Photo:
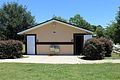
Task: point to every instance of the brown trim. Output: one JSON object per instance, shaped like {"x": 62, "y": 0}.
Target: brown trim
{"x": 26, "y": 42}
{"x": 79, "y": 34}
{"x": 74, "y": 48}
{"x": 60, "y": 43}
{"x": 35, "y": 45}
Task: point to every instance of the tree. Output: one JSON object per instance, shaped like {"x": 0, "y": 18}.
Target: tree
{"x": 117, "y": 28}
{"x": 113, "y": 30}
{"x": 100, "y": 32}
{"x": 59, "y": 18}
{"x": 109, "y": 31}
{"x": 93, "y": 28}
{"x": 80, "y": 22}
{"x": 13, "y": 19}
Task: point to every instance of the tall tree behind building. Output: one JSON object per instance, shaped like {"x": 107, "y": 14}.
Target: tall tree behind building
{"x": 13, "y": 19}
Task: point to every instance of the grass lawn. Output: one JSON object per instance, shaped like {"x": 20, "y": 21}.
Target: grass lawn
{"x": 19, "y": 71}
{"x": 114, "y": 56}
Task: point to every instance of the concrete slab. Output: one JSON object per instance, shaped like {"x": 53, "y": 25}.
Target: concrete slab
{"x": 45, "y": 59}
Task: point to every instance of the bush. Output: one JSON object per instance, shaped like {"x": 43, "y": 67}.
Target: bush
{"x": 11, "y": 49}
{"x": 94, "y": 49}
{"x": 108, "y": 44}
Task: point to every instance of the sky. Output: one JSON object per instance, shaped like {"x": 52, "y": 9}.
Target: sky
{"x": 96, "y": 12}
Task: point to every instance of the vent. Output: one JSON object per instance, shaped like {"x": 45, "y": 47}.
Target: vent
{"x": 54, "y": 49}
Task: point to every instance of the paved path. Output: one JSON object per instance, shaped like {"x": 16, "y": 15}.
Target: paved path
{"x": 57, "y": 60}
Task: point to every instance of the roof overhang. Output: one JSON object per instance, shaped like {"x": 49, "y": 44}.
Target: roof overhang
{"x": 50, "y": 21}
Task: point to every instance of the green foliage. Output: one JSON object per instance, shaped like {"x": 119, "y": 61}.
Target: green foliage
{"x": 11, "y": 49}
{"x": 94, "y": 49}
{"x": 59, "y": 18}
{"x": 110, "y": 31}
{"x": 118, "y": 16}
{"x": 100, "y": 31}
{"x": 117, "y": 34}
{"x": 113, "y": 31}
{"x": 80, "y": 22}
{"x": 13, "y": 19}
{"x": 108, "y": 44}
{"x": 93, "y": 28}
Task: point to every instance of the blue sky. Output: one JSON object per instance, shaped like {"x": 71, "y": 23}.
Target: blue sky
{"x": 97, "y": 12}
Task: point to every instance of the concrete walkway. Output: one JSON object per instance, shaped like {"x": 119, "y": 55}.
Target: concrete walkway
{"x": 57, "y": 60}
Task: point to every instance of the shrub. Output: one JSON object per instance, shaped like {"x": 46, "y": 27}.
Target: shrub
{"x": 10, "y": 49}
{"x": 108, "y": 44}
{"x": 93, "y": 49}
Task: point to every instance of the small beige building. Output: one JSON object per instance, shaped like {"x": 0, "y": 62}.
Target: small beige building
{"x": 55, "y": 37}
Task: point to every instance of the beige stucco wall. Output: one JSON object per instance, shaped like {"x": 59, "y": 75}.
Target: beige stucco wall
{"x": 62, "y": 33}
{"x": 46, "y": 33}
{"x": 64, "y": 49}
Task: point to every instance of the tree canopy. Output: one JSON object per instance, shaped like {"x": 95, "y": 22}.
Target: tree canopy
{"x": 117, "y": 28}
{"x": 59, "y": 18}
{"x": 13, "y": 19}
{"x": 100, "y": 31}
{"x": 80, "y": 22}
{"x": 113, "y": 30}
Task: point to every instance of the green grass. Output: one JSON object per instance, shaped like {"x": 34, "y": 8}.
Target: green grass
{"x": 19, "y": 71}
{"x": 114, "y": 56}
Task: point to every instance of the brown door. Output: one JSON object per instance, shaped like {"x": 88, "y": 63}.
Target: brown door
{"x": 78, "y": 43}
